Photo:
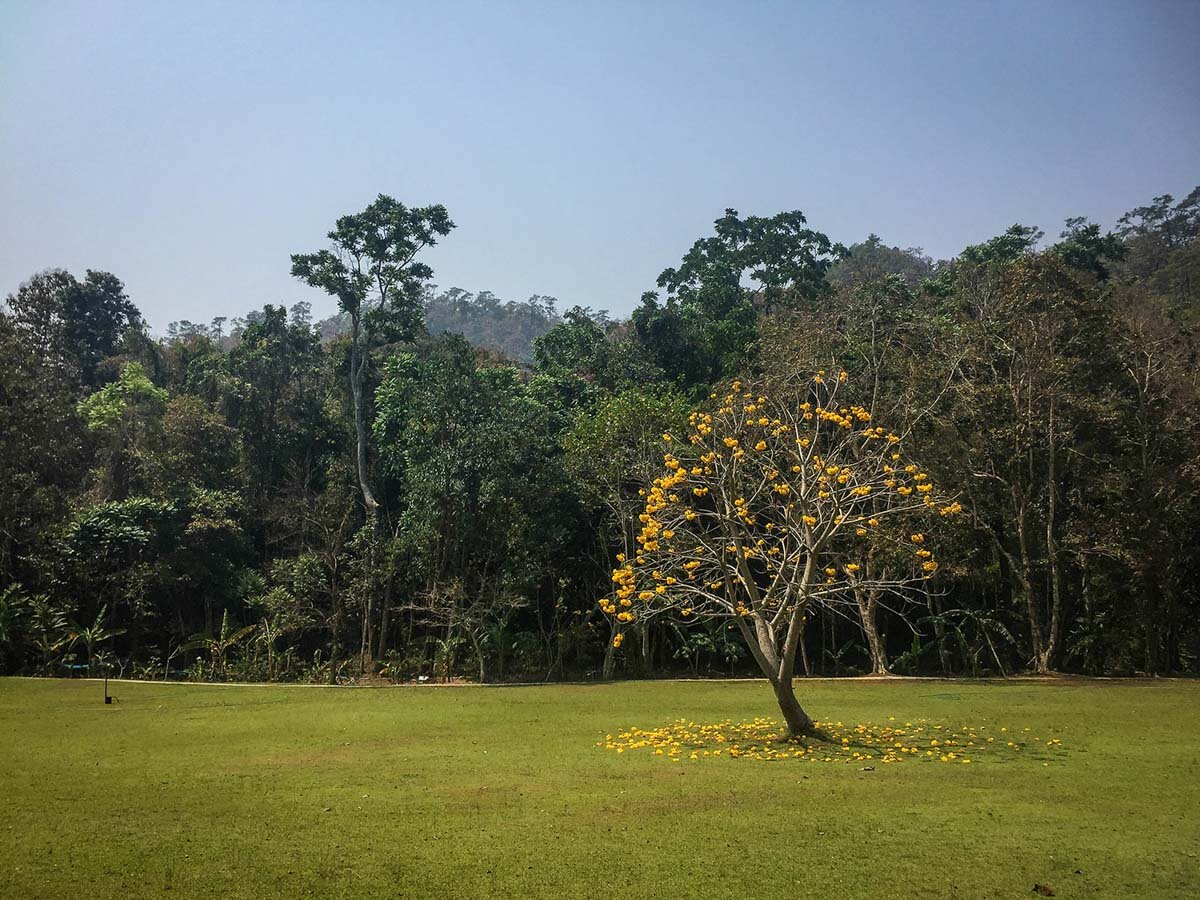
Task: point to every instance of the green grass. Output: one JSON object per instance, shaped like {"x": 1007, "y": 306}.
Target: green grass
{"x": 294, "y": 791}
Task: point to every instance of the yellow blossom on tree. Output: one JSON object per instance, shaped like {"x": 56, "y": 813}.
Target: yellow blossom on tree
{"x": 762, "y": 538}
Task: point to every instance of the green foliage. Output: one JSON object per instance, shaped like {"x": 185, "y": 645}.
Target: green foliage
{"x": 118, "y": 532}
{"x": 373, "y": 272}
{"x": 372, "y": 269}
{"x": 14, "y": 606}
{"x": 94, "y": 635}
{"x": 785, "y": 259}
{"x": 370, "y": 489}
{"x": 614, "y": 449}
{"x": 220, "y": 644}
{"x": 1083, "y": 247}
{"x": 474, "y": 450}
{"x": 1018, "y": 241}
{"x": 81, "y": 321}
{"x": 707, "y": 324}
{"x": 132, "y": 393}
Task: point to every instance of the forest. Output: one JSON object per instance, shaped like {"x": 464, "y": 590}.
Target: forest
{"x": 436, "y": 485}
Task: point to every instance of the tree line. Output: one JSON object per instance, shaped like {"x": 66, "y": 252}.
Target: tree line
{"x": 378, "y": 496}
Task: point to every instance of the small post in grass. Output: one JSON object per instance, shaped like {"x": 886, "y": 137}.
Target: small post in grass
{"x": 107, "y": 698}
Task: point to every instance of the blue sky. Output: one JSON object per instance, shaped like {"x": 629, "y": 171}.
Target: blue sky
{"x": 191, "y": 147}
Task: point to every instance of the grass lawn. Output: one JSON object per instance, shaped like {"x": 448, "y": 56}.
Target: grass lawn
{"x": 466, "y": 791}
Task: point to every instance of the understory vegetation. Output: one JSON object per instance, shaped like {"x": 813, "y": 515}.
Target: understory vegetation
{"x": 378, "y": 496}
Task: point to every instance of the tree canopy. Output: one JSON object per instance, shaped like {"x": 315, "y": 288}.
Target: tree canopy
{"x": 440, "y": 483}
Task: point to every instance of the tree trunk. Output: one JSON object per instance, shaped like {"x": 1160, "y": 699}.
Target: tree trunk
{"x": 477, "y": 646}
{"x": 610, "y": 661}
{"x": 385, "y": 618}
{"x": 1037, "y": 634}
{"x": 779, "y": 666}
{"x": 804, "y": 649}
{"x": 1052, "y": 554}
{"x": 798, "y": 721}
{"x": 939, "y": 632}
{"x": 358, "y": 378}
{"x": 647, "y": 651}
{"x": 868, "y": 610}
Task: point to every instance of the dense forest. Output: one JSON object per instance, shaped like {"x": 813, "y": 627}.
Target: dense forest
{"x": 436, "y": 485}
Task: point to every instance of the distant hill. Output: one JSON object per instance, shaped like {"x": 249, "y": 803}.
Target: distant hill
{"x": 506, "y": 326}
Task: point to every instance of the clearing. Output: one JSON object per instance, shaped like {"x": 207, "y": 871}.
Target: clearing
{"x": 470, "y": 791}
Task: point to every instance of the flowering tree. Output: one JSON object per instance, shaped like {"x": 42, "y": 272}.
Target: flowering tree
{"x": 772, "y": 506}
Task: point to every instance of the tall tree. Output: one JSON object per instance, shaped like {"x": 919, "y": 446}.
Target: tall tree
{"x": 709, "y": 309}
{"x": 372, "y": 270}
{"x": 83, "y": 320}
{"x": 43, "y": 454}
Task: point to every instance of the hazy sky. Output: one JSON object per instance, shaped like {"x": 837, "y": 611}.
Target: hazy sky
{"x": 190, "y": 147}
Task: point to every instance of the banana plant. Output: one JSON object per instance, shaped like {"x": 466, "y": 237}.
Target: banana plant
{"x": 94, "y": 635}
{"x": 273, "y": 628}
{"x": 49, "y": 632}
{"x": 218, "y": 646}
